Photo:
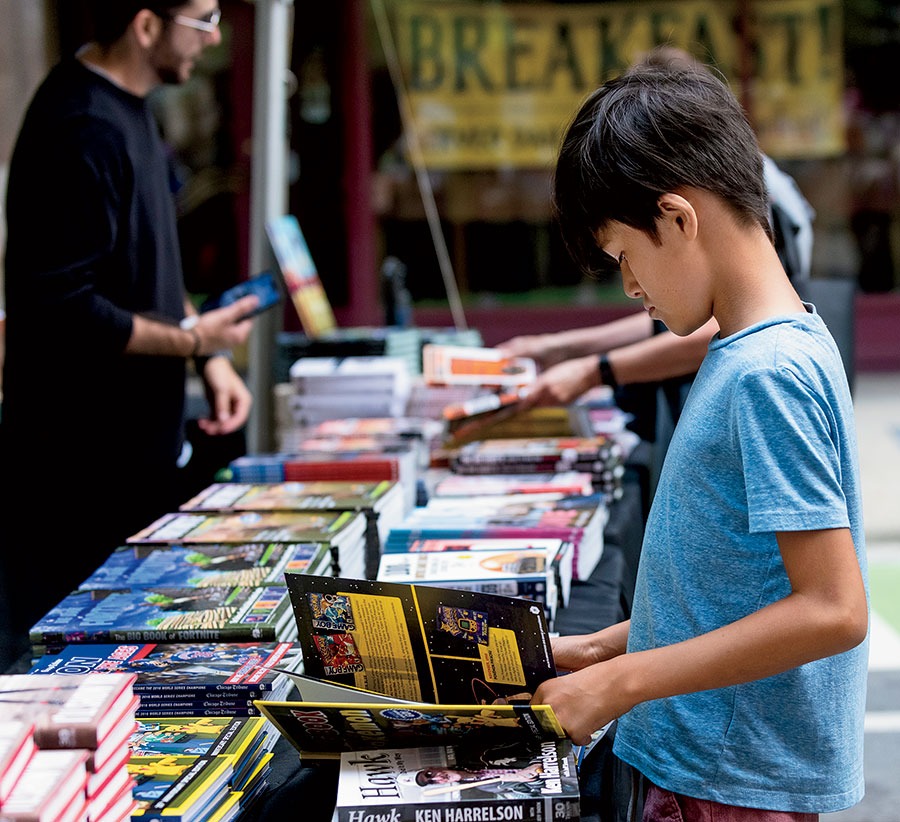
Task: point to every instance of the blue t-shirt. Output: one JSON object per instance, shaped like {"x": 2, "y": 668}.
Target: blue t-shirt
{"x": 766, "y": 443}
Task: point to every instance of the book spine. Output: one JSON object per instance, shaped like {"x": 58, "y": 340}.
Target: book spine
{"x": 232, "y": 633}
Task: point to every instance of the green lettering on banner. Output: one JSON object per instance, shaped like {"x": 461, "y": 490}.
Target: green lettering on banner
{"x": 495, "y": 84}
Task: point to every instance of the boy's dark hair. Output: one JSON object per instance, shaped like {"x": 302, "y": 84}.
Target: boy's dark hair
{"x": 110, "y": 18}
{"x": 650, "y": 131}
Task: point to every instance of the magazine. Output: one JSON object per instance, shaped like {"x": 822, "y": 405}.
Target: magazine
{"x": 421, "y": 643}
{"x": 457, "y": 783}
{"x": 323, "y": 730}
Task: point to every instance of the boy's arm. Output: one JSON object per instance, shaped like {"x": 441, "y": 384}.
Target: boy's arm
{"x": 825, "y": 614}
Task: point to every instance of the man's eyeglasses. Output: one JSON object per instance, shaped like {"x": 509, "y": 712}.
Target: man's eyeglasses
{"x": 206, "y": 24}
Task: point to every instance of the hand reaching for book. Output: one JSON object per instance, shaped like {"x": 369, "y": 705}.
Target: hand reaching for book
{"x": 562, "y": 384}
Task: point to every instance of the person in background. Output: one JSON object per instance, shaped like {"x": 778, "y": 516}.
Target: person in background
{"x": 634, "y": 354}
{"x": 99, "y": 325}
{"x": 739, "y": 681}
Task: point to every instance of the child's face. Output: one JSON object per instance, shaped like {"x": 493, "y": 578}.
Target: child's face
{"x": 665, "y": 276}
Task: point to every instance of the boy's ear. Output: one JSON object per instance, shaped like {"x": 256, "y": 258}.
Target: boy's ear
{"x": 678, "y": 212}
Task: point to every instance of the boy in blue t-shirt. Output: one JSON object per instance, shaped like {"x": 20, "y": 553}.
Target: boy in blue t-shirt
{"x": 739, "y": 682}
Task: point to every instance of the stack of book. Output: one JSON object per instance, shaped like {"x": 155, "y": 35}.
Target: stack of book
{"x": 537, "y": 569}
{"x": 202, "y": 679}
{"x": 382, "y": 503}
{"x": 600, "y": 456}
{"x": 475, "y": 365}
{"x": 578, "y": 520}
{"x": 330, "y": 387}
{"x": 492, "y": 485}
{"x": 421, "y": 432}
{"x": 360, "y": 341}
{"x": 394, "y": 462}
{"x": 193, "y": 767}
{"x": 429, "y": 688}
{"x": 74, "y": 767}
{"x": 344, "y": 532}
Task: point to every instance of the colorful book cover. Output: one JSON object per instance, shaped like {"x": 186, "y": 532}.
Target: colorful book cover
{"x": 197, "y": 736}
{"x": 474, "y": 365}
{"x": 289, "y": 496}
{"x": 179, "y": 787}
{"x": 490, "y": 485}
{"x": 449, "y": 783}
{"x": 185, "y": 670}
{"x": 300, "y": 275}
{"x": 421, "y": 643}
{"x": 168, "y": 615}
{"x": 323, "y": 730}
{"x": 247, "y": 526}
{"x": 517, "y": 572}
{"x": 207, "y": 566}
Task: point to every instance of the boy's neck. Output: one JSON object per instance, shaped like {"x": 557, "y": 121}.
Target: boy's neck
{"x": 754, "y": 288}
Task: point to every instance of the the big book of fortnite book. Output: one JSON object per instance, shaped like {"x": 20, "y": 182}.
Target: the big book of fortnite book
{"x": 417, "y": 643}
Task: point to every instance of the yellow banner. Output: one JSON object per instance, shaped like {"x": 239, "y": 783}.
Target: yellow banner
{"x": 493, "y": 85}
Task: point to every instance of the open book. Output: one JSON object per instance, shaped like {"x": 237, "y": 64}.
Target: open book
{"x": 464, "y": 658}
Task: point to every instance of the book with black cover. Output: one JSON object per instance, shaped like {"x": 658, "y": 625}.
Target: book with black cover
{"x": 323, "y": 730}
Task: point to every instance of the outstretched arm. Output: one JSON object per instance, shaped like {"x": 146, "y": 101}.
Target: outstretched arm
{"x": 651, "y": 359}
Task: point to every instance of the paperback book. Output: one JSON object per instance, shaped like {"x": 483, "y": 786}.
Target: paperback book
{"x": 248, "y": 740}
{"x": 180, "y": 787}
{"x": 515, "y": 572}
{"x": 492, "y": 485}
{"x": 420, "y": 643}
{"x": 324, "y": 730}
{"x": 381, "y": 502}
{"x": 456, "y": 783}
{"x": 246, "y": 565}
{"x": 180, "y": 672}
{"x": 475, "y": 365}
{"x": 300, "y": 275}
{"x": 576, "y": 519}
{"x": 162, "y": 614}
{"x": 344, "y": 531}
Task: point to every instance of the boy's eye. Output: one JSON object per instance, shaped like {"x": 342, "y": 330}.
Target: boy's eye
{"x": 620, "y": 259}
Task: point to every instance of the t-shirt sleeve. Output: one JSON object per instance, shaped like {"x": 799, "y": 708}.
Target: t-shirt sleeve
{"x": 790, "y": 454}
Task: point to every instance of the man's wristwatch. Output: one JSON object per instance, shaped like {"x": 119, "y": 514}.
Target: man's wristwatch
{"x": 606, "y": 373}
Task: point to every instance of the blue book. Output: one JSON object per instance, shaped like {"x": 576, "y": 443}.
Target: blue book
{"x": 165, "y": 614}
{"x": 202, "y": 566}
{"x": 185, "y": 671}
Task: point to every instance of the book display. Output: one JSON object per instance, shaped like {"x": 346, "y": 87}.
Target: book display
{"x": 367, "y": 598}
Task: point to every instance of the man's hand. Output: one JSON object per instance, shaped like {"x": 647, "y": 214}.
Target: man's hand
{"x": 562, "y": 384}
{"x": 224, "y": 328}
{"x": 229, "y": 398}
